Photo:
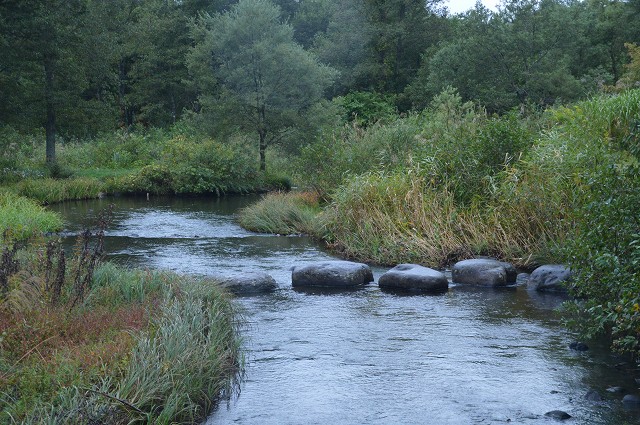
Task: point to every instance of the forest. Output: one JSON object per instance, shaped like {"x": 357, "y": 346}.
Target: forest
{"x": 76, "y": 69}
{"x": 411, "y": 135}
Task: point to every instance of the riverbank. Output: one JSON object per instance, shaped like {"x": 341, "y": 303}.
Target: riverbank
{"x": 86, "y": 341}
{"x": 156, "y": 162}
{"x": 452, "y": 182}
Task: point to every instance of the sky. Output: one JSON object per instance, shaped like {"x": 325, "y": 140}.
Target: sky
{"x": 458, "y": 6}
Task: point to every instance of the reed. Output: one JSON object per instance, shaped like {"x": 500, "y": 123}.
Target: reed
{"x": 21, "y": 218}
{"x": 283, "y": 213}
{"x": 48, "y": 191}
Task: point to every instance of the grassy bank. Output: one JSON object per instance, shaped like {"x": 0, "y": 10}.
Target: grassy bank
{"x": 88, "y": 342}
{"x": 147, "y": 161}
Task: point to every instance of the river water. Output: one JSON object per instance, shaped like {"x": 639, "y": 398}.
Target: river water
{"x": 469, "y": 356}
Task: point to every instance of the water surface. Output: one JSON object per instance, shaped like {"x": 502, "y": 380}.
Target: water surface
{"x": 470, "y": 356}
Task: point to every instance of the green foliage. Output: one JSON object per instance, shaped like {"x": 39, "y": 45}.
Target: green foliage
{"x": 21, "y": 218}
{"x": 606, "y": 253}
{"x": 266, "y": 78}
{"x": 189, "y": 165}
{"x": 364, "y": 108}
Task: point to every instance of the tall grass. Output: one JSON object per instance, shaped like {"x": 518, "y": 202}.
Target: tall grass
{"x": 23, "y": 218}
{"x": 283, "y": 213}
{"x": 494, "y": 187}
{"x": 141, "y": 346}
{"x": 48, "y": 191}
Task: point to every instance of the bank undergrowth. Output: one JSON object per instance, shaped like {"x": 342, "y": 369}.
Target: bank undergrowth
{"x": 151, "y": 161}
{"x": 89, "y": 342}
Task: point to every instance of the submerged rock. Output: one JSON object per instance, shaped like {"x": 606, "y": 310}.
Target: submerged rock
{"x": 336, "y": 274}
{"x": 631, "y": 399}
{"x": 550, "y": 277}
{"x": 248, "y": 283}
{"x": 593, "y": 395}
{"x": 413, "y": 277}
{"x": 578, "y": 346}
{"x": 483, "y": 272}
{"x": 558, "y": 415}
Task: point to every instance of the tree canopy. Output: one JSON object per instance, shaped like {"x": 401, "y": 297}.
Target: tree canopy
{"x": 76, "y": 68}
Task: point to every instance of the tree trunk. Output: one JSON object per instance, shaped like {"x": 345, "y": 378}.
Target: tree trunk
{"x": 263, "y": 147}
{"x": 262, "y": 133}
{"x": 50, "y": 126}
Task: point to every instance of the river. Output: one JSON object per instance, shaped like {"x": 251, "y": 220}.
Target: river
{"x": 469, "y": 356}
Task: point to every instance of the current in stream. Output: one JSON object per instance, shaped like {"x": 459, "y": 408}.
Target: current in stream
{"x": 469, "y": 356}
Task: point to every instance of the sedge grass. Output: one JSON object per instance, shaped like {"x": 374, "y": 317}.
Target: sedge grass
{"x": 22, "y": 218}
{"x": 48, "y": 191}
{"x": 283, "y": 213}
{"x": 146, "y": 347}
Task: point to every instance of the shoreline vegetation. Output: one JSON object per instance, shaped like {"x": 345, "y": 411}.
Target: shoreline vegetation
{"x": 90, "y": 342}
{"x": 453, "y": 182}
{"x": 413, "y": 135}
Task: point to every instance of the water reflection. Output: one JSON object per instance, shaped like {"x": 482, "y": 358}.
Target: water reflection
{"x": 470, "y": 355}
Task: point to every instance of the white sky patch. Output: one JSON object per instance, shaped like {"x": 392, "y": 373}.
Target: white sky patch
{"x": 459, "y": 6}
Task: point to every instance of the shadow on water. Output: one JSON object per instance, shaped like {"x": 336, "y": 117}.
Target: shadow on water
{"x": 466, "y": 356}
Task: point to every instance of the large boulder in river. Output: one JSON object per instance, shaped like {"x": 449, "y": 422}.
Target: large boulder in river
{"x": 333, "y": 274}
{"x": 483, "y": 272}
{"x": 248, "y": 283}
{"x": 412, "y": 277}
{"x": 550, "y": 278}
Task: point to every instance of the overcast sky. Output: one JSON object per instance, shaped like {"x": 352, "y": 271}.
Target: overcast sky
{"x": 457, "y": 6}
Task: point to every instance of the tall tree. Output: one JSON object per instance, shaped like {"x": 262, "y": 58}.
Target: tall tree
{"x": 265, "y": 77}
{"x": 42, "y": 66}
{"x": 346, "y": 44}
{"x": 518, "y": 55}
{"x": 403, "y": 30}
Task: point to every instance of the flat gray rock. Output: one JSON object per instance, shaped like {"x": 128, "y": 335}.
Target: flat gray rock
{"x": 483, "y": 272}
{"x": 332, "y": 274}
{"x": 550, "y": 278}
{"x": 413, "y": 277}
{"x": 249, "y": 283}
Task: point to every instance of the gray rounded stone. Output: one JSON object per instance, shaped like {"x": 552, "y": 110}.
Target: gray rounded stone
{"x": 248, "y": 283}
{"x": 631, "y": 399}
{"x": 558, "y": 415}
{"x": 336, "y": 274}
{"x": 550, "y": 278}
{"x": 483, "y": 272}
{"x": 413, "y": 277}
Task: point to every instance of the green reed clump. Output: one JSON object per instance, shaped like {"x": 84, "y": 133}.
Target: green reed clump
{"x": 48, "y": 191}
{"x": 21, "y": 218}
{"x": 398, "y": 218}
{"x": 283, "y": 213}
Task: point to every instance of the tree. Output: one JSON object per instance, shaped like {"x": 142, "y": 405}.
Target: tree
{"x": 346, "y": 44}
{"x": 41, "y": 67}
{"x": 518, "y": 55}
{"x": 266, "y": 79}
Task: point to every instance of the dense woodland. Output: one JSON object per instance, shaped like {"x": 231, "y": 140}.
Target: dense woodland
{"x": 77, "y": 68}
